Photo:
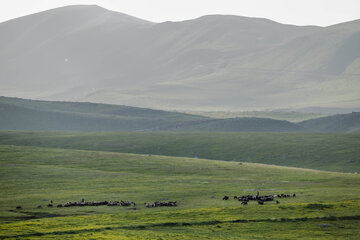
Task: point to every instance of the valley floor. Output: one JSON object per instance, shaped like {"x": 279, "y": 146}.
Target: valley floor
{"x": 326, "y": 205}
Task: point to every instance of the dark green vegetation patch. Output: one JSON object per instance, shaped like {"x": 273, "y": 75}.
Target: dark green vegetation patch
{"x": 27, "y": 114}
{"x": 333, "y": 152}
{"x": 318, "y": 206}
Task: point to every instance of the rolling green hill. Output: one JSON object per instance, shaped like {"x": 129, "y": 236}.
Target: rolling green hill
{"x": 44, "y": 115}
{"x": 239, "y": 125}
{"x": 24, "y": 114}
{"x": 333, "y": 152}
{"x": 290, "y": 116}
{"x": 326, "y": 205}
{"x": 337, "y": 123}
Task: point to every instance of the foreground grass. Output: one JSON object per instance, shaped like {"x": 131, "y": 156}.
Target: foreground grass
{"x": 293, "y": 221}
{"x": 332, "y": 152}
{"x": 326, "y": 206}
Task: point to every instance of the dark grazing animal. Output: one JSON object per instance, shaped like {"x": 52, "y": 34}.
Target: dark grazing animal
{"x": 161, "y": 204}
{"x": 115, "y": 203}
{"x": 127, "y": 203}
{"x": 282, "y": 195}
{"x": 149, "y": 204}
{"x": 225, "y": 198}
{"x": 18, "y": 207}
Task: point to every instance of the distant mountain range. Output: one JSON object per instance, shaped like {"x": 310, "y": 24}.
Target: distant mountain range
{"x": 23, "y": 114}
{"x": 215, "y": 62}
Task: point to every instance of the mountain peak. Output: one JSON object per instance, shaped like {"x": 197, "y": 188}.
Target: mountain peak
{"x": 215, "y": 62}
{"x": 82, "y": 6}
{"x": 76, "y": 12}
{"x": 96, "y": 9}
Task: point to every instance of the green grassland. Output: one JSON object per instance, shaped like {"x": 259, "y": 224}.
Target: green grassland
{"x": 327, "y": 205}
{"x": 332, "y": 152}
{"x": 287, "y": 116}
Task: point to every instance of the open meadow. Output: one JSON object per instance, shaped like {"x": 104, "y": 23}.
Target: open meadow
{"x": 339, "y": 152}
{"x": 326, "y": 206}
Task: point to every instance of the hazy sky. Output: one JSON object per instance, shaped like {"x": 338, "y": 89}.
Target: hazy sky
{"x": 298, "y": 12}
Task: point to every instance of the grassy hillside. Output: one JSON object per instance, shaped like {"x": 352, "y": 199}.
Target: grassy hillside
{"x": 290, "y": 116}
{"x": 334, "y": 152}
{"x": 239, "y": 125}
{"x": 44, "y": 115}
{"x": 24, "y": 114}
{"x": 326, "y": 206}
{"x": 337, "y": 123}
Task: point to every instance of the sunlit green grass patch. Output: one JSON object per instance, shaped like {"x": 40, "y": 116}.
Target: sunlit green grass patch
{"x": 32, "y": 176}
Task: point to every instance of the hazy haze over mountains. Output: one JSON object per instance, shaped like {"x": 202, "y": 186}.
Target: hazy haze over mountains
{"x": 215, "y": 62}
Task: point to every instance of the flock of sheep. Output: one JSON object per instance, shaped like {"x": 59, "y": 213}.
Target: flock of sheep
{"x": 261, "y": 199}
{"x": 82, "y": 203}
{"x": 93, "y": 203}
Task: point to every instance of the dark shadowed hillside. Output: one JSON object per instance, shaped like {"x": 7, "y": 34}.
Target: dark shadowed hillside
{"x": 337, "y": 123}
{"x": 215, "y": 62}
{"x": 25, "y": 114}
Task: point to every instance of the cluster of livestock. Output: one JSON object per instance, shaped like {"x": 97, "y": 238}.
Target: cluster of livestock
{"x": 107, "y": 203}
{"x": 161, "y": 204}
{"x": 94, "y": 203}
{"x": 261, "y": 199}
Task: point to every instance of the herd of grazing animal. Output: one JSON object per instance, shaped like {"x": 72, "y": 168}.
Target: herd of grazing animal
{"x": 93, "y": 203}
{"x": 82, "y": 203}
{"x": 261, "y": 199}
